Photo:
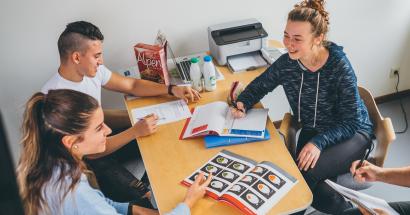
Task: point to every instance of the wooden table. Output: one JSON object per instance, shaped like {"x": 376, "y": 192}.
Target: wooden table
{"x": 169, "y": 160}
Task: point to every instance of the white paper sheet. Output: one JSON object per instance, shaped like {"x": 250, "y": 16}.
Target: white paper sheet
{"x": 167, "y": 112}
{"x": 361, "y": 198}
{"x": 246, "y": 61}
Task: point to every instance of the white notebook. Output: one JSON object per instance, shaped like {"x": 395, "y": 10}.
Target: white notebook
{"x": 366, "y": 201}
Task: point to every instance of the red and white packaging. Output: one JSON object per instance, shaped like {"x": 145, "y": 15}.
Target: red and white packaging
{"x": 152, "y": 62}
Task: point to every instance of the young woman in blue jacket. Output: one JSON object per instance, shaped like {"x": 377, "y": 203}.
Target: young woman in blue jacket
{"x": 321, "y": 87}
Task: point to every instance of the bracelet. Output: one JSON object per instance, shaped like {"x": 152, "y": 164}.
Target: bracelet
{"x": 170, "y": 89}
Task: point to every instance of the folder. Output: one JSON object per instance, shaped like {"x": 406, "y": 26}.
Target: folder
{"x": 212, "y": 141}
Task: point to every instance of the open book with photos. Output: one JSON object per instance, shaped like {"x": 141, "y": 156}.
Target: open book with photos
{"x": 215, "y": 118}
{"x": 252, "y": 187}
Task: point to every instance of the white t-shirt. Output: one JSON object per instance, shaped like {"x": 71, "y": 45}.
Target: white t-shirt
{"x": 90, "y": 86}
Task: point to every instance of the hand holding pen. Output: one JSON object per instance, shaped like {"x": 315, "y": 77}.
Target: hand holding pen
{"x": 145, "y": 126}
{"x": 238, "y": 110}
{"x": 361, "y": 162}
{"x": 364, "y": 171}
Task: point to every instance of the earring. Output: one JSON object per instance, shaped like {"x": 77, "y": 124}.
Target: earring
{"x": 75, "y": 146}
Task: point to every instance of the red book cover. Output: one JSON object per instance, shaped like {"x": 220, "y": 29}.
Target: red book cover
{"x": 152, "y": 62}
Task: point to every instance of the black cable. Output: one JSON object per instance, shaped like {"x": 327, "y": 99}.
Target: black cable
{"x": 401, "y": 105}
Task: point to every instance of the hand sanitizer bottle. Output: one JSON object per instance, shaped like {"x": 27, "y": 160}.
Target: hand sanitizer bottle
{"x": 209, "y": 74}
{"x": 195, "y": 74}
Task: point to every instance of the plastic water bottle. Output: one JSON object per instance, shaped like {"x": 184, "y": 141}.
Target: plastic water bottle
{"x": 195, "y": 74}
{"x": 209, "y": 74}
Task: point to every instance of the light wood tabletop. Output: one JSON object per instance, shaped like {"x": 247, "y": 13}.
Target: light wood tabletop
{"x": 169, "y": 160}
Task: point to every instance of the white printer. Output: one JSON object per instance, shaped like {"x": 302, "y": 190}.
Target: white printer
{"x": 235, "y": 39}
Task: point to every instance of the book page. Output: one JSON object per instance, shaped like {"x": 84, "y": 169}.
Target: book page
{"x": 202, "y": 121}
{"x": 260, "y": 189}
{"x": 252, "y": 125}
{"x": 361, "y": 198}
{"x": 167, "y": 112}
{"x": 227, "y": 168}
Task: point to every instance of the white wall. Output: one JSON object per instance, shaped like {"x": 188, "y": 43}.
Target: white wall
{"x": 375, "y": 35}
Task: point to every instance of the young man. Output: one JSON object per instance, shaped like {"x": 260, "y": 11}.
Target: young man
{"x": 81, "y": 69}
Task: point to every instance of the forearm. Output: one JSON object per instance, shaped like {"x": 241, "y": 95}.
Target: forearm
{"x": 397, "y": 176}
{"x": 258, "y": 88}
{"x": 148, "y": 88}
{"x": 115, "y": 142}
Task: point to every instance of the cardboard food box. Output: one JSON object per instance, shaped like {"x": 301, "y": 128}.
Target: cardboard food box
{"x": 152, "y": 62}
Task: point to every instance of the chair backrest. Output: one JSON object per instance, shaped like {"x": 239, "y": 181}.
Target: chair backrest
{"x": 383, "y": 128}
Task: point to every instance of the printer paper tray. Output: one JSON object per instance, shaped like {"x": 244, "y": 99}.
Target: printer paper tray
{"x": 246, "y": 62}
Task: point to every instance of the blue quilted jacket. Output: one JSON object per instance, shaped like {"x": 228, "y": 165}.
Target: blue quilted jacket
{"x": 326, "y": 100}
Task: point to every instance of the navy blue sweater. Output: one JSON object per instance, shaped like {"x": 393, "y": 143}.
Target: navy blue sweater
{"x": 326, "y": 100}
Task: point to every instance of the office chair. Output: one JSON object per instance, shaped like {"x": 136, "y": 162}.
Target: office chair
{"x": 383, "y": 130}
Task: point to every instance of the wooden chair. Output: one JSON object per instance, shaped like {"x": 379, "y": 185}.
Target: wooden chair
{"x": 383, "y": 130}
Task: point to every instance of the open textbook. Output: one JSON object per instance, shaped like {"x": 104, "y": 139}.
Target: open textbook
{"x": 366, "y": 201}
{"x": 216, "y": 119}
{"x": 253, "y": 188}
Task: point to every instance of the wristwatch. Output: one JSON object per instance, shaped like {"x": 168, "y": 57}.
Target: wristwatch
{"x": 170, "y": 89}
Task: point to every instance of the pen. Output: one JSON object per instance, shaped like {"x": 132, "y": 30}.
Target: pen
{"x": 159, "y": 118}
{"x": 361, "y": 162}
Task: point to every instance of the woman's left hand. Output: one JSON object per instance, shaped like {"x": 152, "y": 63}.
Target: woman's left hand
{"x": 308, "y": 156}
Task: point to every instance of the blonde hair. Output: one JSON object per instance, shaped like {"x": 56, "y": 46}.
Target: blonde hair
{"x": 312, "y": 11}
{"x": 47, "y": 119}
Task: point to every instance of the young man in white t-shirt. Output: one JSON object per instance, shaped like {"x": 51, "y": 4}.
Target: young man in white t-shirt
{"x": 81, "y": 68}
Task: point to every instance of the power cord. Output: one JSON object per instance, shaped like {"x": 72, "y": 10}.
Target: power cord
{"x": 401, "y": 105}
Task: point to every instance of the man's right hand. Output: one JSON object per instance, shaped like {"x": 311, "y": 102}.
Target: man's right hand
{"x": 238, "y": 111}
{"x": 146, "y": 126}
{"x": 367, "y": 172}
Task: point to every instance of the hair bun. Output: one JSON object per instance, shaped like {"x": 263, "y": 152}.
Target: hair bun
{"x": 318, "y": 5}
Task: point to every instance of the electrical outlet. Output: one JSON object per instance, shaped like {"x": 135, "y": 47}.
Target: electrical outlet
{"x": 393, "y": 72}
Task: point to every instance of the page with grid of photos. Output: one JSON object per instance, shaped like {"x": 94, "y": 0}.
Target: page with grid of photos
{"x": 260, "y": 189}
{"x": 243, "y": 183}
{"x": 227, "y": 168}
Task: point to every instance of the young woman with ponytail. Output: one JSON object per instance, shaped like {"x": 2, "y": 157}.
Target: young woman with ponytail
{"x": 59, "y": 130}
{"x": 321, "y": 87}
